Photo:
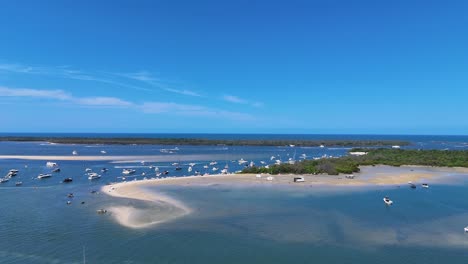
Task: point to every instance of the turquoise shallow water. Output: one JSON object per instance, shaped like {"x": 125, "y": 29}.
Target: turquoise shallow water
{"x": 228, "y": 225}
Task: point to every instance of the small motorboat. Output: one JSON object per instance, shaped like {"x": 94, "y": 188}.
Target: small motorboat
{"x": 67, "y": 180}
{"x": 93, "y": 176}
{"x": 413, "y": 186}
{"x": 166, "y": 172}
{"x": 103, "y": 152}
{"x": 74, "y": 153}
{"x": 44, "y": 176}
{"x": 387, "y": 201}
{"x": 178, "y": 168}
{"x": 56, "y": 170}
{"x": 128, "y": 171}
{"x": 101, "y": 211}
{"x": 50, "y": 164}
{"x": 19, "y": 183}
{"x": 3, "y": 180}
{"x": 104, "y": 170}
{"x": 88, "y": 170}
{"x": 425, "y": 185}
{"x": 466, "y": 229}
{"x": 68, "y": 202}
{"x": 70, "y": 195}
{"x": 269, "y": 178}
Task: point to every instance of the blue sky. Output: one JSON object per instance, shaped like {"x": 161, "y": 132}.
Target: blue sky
{"x": 386, "y": 67}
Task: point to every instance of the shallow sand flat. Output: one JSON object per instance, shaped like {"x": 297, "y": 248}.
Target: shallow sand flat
{"x": 369, "y": 176}
{"x": 163, "y": 209}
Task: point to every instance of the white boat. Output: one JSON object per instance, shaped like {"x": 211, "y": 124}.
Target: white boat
{"x": 191, "y": 164}
{"x": 262, "y": 162}
{"x": 387, "y": 201}
{"x": 74, "y": 152}
{"x": 224, "y": 171}
{"x": 425, "y": 185}
{"x": 103, "y": 152}
{"x": 242, "y": 161}
{"x": 466, "y": 229}
{"x": 93, "y": 176}
{"x": 267, "y": 166}
{"x": 258, "y": 176}
{"x": 299, "y": 179}
{"x": 395, "y": 147}
{"x": 213, "y": 163}
{"x": 277, "y": 162}
{"x": 272, "y": 157}
{"x": 292, "y": 146}
{"x": 19, "y": 183}
{"x": 14, "y": 171}
{"x": 215, "y": 169}
{"x": 3, "y": 180}
{"x": 50, "y": 164}
{"x": 189, "y": 169}
{"x": 205, "y": 167}
{"x": 156, "y": 169}
{"x": 43, "y": 176}
{"x": 269, "y": 178}
{"x": 128, "y": 171}
{"x": 158, "y": 174}
{"x": 251, "y": 164}
{"x": 175, "y": 164}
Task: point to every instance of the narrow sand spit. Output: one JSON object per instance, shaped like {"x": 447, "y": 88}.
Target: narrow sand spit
{"x": 162, "y": 208}
{"x": 126, "y": 159}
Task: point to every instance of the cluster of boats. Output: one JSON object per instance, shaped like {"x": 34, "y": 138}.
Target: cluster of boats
{"x": 11, "y": 173}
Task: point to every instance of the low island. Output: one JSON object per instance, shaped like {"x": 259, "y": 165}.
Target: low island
{"x": 204, "y": 141}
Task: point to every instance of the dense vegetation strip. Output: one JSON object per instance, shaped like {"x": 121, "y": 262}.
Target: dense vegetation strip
{"x": 201, "y": 141}
{"x": 381, "y": 156}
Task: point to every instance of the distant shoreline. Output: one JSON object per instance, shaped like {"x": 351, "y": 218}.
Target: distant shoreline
{"x": 204, "y": 141}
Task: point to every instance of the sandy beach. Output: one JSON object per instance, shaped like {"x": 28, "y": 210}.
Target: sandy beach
{"x": 124, "y": 159}
{"x": 369, "y": 176}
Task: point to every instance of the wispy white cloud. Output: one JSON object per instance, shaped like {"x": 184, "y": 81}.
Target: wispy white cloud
{"x": 103, "y": 101}
{"x": 114, "y": 102}
{"x": 234, "y": 99}
{"x": 22, "y": 92}
{"x": 149, "y": 79}
{"x": 63, "y": 96}
{"x": 194, "y": 110}
{"x": 238, "y": 100}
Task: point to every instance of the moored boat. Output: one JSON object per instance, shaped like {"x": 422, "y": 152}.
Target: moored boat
{"x": 44, "y": 176}
{"x": 128, "y": 171}
{"x": 387, "y": 201}
{"x": 93, "y": 176}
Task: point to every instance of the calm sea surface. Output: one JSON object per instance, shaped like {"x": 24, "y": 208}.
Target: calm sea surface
{"x": 228, "y": 225}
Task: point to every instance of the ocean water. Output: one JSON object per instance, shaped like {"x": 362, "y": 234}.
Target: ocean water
{"x": 228, "y": 224}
